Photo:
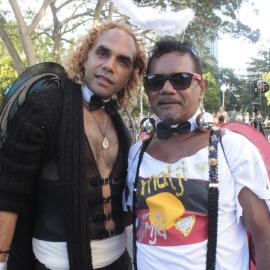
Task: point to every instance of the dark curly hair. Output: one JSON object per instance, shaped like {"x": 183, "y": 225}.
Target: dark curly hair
{"x": 167, "y": 45}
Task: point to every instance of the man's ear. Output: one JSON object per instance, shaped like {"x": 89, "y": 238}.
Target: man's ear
{"x": 147, "y": 93}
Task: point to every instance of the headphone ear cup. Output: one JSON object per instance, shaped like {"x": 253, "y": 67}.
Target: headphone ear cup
{"x": 148, "y": 125}
{"x": 205, "y": 121}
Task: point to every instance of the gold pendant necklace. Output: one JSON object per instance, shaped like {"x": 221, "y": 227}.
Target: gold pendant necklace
{"x": 105, "y": 142}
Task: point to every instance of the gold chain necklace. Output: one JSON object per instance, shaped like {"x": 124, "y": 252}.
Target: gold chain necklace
{"x": 105, "y": 142}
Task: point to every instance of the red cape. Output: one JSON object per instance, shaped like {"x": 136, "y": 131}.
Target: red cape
{"x": 257, "y": 138}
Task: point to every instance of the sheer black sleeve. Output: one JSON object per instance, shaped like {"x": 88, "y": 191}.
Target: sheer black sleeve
{"x": 22, "y": 153}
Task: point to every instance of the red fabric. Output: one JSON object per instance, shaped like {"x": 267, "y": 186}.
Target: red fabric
{"x": 197, "y": 231}
{"x": 257, "y": 138}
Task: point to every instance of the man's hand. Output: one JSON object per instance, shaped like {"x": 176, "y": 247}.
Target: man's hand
{"x": 257, "y": 221}
{"x": 7, "y": 226}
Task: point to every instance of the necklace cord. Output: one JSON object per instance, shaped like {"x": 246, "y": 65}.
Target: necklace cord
{"x": 105, "y": 132}
{"x": 135, "y": 199}
{"x": 105, "y": 142}
{"x": 213, "y": 200}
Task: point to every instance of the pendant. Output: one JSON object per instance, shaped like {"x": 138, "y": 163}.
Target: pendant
{"x": 105, "y": 143}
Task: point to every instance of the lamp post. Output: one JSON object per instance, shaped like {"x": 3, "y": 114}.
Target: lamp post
{"x": 223, "y": 89}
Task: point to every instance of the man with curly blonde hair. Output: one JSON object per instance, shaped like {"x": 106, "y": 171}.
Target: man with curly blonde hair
{"x": 76, "y": 68}
{"x": 67, "y": 152}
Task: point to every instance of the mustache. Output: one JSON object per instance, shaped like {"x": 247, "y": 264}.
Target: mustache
{"x": 165, "y": 101}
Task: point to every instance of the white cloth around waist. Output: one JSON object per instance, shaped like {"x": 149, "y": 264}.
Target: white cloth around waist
{"x": 3, "y": 266}
{"x": 55, "y": 257}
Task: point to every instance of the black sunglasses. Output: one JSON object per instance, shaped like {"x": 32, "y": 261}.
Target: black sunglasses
{"x": 179, "y": 81}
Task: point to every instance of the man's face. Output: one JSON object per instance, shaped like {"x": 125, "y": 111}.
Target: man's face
{"x": 169, "y": 104}
{"x": 110, "y": 63}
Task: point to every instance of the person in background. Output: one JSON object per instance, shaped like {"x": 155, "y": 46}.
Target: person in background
{"x": 224, "y": 113}
{"x": 221, "y": 120}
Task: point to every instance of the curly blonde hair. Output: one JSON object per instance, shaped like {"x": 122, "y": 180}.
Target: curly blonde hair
{"x": 75, "y": 63}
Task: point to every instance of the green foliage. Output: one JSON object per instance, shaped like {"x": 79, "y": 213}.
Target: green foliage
{"x": 43, "y": 47}
{"x": 260, "y": 63}
{"x": 7, "y": 74}
{"x": 135, "y": 109}
{"x": 225, "y": 76}
{"x": 7, "y": 71}
{"x": 11, "y": 28}
{"x": 211, "y": 18}
{"x": 266, "y": 77}
{"x": 211, "y": 100}
{"x": 259, "y": 67}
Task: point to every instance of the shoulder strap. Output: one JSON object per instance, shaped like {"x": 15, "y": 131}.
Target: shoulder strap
{"x": 142, "y": 149}
{"x": 213, "y": 198}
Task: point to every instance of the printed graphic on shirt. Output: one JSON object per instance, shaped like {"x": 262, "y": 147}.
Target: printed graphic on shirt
{"x": 170, "y": 212}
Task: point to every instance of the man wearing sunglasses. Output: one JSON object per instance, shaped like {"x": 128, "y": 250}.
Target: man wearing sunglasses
{"x": 179, "y": 221}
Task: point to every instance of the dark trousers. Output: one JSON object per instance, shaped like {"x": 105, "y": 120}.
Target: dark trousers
{"x": 122, "y": 263}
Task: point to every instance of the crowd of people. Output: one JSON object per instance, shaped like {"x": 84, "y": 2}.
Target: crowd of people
{"x": 223, "y": 117}
{"x": 70, "y": 180}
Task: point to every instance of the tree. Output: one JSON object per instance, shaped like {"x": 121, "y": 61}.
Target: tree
{"x": 26, "y": 39}
{"x": 7, "y": 40}
{"x": 50, "y": 39}
{"x": 259, "y": 68}
{"x": 7, "y": 74}
{"x": 260, "y": 63}
{"x": 211, "y": 100}
{"x": 26, "y": 30}
{"x": 226, "y": 76}
{"x": 266, "y": 77}
{"x": 33, "y": 30}
{"x": 206, "y": 25}
{"x": 212, "y": 18}
{"x": 7, "y": 71}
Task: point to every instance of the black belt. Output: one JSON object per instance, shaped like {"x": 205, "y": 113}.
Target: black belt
{"x": 99, "y": 181}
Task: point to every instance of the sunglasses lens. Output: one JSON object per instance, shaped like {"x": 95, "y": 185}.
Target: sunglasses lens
{"x": 181, "y": 81}
{"x": 153, "y": 82}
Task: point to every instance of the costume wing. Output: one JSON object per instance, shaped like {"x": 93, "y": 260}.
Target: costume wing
{"x": 37, "y": 78}
{"x": 263, "y": 146}
{"x": 255, "y": 137}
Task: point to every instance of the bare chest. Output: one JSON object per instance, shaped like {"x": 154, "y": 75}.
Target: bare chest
{"x": 178, "y": 146}
{"x": 102, "y": 138}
